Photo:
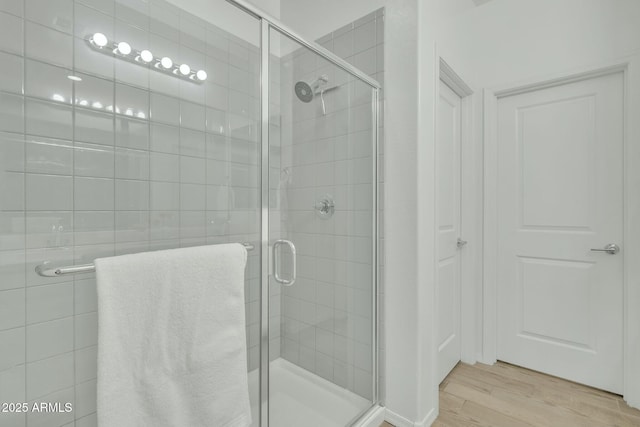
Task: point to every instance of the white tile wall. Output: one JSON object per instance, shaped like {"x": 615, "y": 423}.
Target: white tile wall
{"x": 13, "y": 308}
{"x": 11, "y": 34}
{"x": 126, "y": 160}
{"x": 327, "y": 314}
{"x": 12, "y": 389}
{"x": 57, "y": 14}
{"x": 49, "y": 45}
{"x": 49, "y": 339}
{"x": 49, "y": 302}
{"x": 11, "y": 113}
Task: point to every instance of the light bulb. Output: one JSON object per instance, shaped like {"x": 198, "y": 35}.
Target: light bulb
{"x": 57, "y": 97}
{"x": 166, "y": 62}
{"x": 83, "y": 102}
{"x": 99, "y": 39}
{"x": 74, "y": 78}
{"x": 146, "y": 56}
{"x": 141, "y": 115}
{"x": 124, "y": 48}
{"x": 97, "y": 104}
{"x": 129, "y": 112}
{"x": 201, "y": 75}
{"x": 185, "y": 69}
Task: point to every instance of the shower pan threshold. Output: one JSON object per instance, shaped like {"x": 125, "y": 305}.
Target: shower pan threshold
{"x": 298, "y": 396}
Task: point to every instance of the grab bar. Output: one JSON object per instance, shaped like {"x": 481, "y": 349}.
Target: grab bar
{"x": 45, "y": 269}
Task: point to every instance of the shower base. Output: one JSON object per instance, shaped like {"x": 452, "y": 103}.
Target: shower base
{"x": 300, "y": 398}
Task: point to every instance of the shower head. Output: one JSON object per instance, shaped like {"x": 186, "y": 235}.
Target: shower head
{"x": 306, "y": 91}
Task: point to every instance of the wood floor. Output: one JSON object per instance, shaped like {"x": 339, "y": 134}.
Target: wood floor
{"x": 504, "y": 395}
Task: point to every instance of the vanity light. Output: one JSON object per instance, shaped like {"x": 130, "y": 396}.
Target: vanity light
{"x": 124, "y": 48}
{"x": 185, "y": 69}
{"x": 99, "y": 40}
{"x": 201, "y": 75}
{"x": 146, "y": 56}
{"x": 124, "y": 51}
{"x": 166, "y": 62}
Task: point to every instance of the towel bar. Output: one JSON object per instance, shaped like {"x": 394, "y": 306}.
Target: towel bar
{"x": 46, "y": 270}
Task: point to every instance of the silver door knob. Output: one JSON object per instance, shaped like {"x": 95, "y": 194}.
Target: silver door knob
{"x": 611, "y": 249}
{"x": 460, "y": 243}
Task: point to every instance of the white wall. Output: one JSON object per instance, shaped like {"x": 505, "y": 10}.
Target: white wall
{"x": 272, "y": 7}
{"x": 403, "y": 394}
{"x": 507, "y": 42}
{"x": 313, "y": 19}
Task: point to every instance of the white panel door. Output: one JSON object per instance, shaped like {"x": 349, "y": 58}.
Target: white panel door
{"x": 560, "y": 194}
{"x": 448, "y": 198}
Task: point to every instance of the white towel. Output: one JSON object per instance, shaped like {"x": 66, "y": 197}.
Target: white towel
{"x": 171, "y": 339}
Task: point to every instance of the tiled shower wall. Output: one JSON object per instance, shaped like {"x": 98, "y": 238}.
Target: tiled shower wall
{"x": 326, "y": 315}
{"x": 126, "y": 160}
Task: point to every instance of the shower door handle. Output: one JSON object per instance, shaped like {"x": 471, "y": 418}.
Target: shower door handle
{"x": 276, "y": 262}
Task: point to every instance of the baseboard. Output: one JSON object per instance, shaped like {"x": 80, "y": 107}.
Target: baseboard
{"x": 486, "y": 361}
{"x": 400, "y": 421}
{"x": 632, "y": 403}
{"x": 373, "y": 418}
{"x": 397, "y": 420}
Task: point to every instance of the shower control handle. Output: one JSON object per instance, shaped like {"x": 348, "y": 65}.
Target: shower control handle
{"x": 276, "y": 262}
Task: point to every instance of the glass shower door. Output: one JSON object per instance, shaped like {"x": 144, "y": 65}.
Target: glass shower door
{"x": 321, "y": 230}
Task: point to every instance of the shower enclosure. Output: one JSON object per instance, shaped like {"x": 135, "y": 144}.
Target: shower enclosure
{"x": 137, "y": 125}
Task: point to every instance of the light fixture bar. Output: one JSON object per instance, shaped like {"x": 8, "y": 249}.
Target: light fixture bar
{"x": 145, "y": 58}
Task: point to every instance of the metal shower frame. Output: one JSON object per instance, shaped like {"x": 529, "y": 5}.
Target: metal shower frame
{"x": 268, "y": 23}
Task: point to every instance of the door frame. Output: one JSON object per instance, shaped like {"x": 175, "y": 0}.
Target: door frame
{"x": 468, "y": 230}
{"x": 630, "y": 67}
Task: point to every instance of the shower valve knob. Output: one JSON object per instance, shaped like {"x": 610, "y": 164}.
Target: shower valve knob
{"x": 325, "y": 207}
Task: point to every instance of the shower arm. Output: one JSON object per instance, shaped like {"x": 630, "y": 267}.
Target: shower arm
{"x": 321, "y": 93}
